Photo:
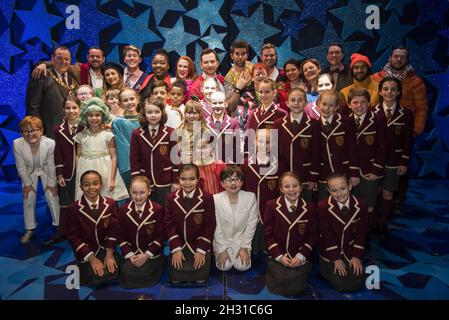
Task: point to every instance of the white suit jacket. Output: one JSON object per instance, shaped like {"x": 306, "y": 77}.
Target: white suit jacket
{"x": 235, "y": 232}
{"x": 24, "y": 160}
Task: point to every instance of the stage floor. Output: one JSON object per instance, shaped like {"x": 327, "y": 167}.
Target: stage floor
{"x": 413, "y": 260}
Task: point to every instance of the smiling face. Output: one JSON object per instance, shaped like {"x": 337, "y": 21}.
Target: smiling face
{"x": 32, "y": 134}
{"x": 324, "y": 83}
{"x": 112, "y": 77}
{"x": 291, "y": 72}
{"x": 218, "y": 103}
{"x": 94, "y": 119}
{"x": 269, "y": 57}
{"x": 239, "y": 57}
{"x": 71, "y": 111}
{"x": 182, "y": 69}
{"x": 191, "y": 116}
{"x": 84, "y": 93}
{"x": 188, "y": 180}
{"x": 360, "y": 70}
{"x": 339, "y": 189}
{"x": 91, "y": 186}
{"x": 129, "y": 100}
{"x": 160, "y": 66}
{"x": 359, "y": 105}
{"x": 399, "y": 59}
{"x": 334, "y": 56}
{"x": 139, "y": 192}
{"x": 296, "y": 102}
{"x": 328, "y": 105}
{"x": 153, "y": 114}
{"x": 95, "y": 58}
{"x": 266, "y": 94}
{"x": 311, "y": 71}
{"x": 209, "y": 64}
{"x": 161, "y": 93}
{"x": 232, "y": 184}
{"x": 209, "y": 86}
{"x": 389, "y": 92}
{"x": 176, "y": 96}
{"x": 291, "y": 188}
{"x": 132, "y": 59}
{"x": 60, "y": 60}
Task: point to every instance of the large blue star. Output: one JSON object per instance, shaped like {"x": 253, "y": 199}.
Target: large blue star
{"x": 441, "y": 81}
{"x": 316, "y": 9}
{"x": 14, "y": 86}
{"x": 280, "y": 6}
{"x": 113, "y": 55}
{"x": 8, "y": 50}
{"x": 398, "y": 5}
{"x": 432, "y": 11}
{"x": 331, "y": 36}
{"x": 286, "y": 52}
{"x": 445, "y": 33}
{"x": 292, "y": 27}
{"x": 207, "y": 13}
{"x": 442, "y": 125}
{"x": 92, "y": 21}
{"x": 253, "y": 29}
{"x": 382, "y": 60}
{"x": 135, "y": 30}
{"x": 160, "y": 7}
{"x": 38, "y": 23}
{"x": 214, "y": 39}
{"x": 435, "y": 160}
{"x": 242, "y": 5}
{"x": 392, "y": 32}
{"x": 434, "y": 290}
{"x": 353, "y": 17}
{"x": 422, "y": 57}
{"x": 7, "y": 8}
{"x": 34, "y": 52}
{"x": 176, "y": 39}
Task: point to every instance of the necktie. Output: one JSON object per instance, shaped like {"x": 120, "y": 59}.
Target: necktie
{"x": 295, "y": 125}
{"x": 72, "y": 130}
{"x": 187, "y": 201}
{"x": 139, "y": 212}
{"x": 327, "y": 127}
{"x": 218, "y": 125}
{"x": 94, "y": 210}
{"x": 345, "y": 212}
{"x": 128, "y": 80}
{"x": 292, "y": 212}
{"x": 357, "y": 121}
{"x": 64, "y": 79}
{"x": 388, "y": 115}
{"x": 262, "y": 111}
{"x": 153, "y": 133}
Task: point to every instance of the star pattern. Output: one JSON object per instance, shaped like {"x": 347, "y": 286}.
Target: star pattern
{"x": 435, "y": 160}
{"x": 242, "y": 5}
{"x": 176, "y": 39}
{"x": 440, "y": 81}
{"x": 202, "y": 13}
{"x": 331, "y": 36}
{"x": 135, "y": 30}
{"x": 15, "y": 90}
{"x": 445, "y": 33}
{"x": 8, "y": 50}
{"x": 90, "y": 19}
{"x": 442, "y": 127}
{"x": 398, "y": 5}
{"x": 432, "y": 11}
{"x": 7, "y": 8}
{"x": 280, "y": 6}
{"x": 353, "y": 16}
{"x": 34, "y": 52}
{"x": 38, "y": 23}
{"x": 214, "y": 39}
{"x": 292, "y": 26}
{"x": 317, "y": 9}
{"x": 253, "y": 30}
{"x": 392, "y": 32}
{"x": 286, "y": 52}
{"x": 160, "y": 7}
{"x": 422, "y": 58}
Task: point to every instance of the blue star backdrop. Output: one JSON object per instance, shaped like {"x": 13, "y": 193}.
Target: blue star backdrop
{"x": 30, "y": 29}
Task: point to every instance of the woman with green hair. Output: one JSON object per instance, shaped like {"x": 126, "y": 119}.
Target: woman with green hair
{"x": 96, "y": 149}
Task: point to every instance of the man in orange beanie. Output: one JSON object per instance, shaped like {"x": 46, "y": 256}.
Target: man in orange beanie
{"x": 360, "y": 67}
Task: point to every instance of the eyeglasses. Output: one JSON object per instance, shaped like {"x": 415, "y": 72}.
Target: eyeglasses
{"x": 28, "y": 132}
{"x": 233, "y": 180}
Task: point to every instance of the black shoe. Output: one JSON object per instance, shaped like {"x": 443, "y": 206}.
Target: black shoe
{"x": 53, "y": 239}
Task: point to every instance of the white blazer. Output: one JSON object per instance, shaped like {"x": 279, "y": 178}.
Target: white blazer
{"x": 235, "y": 232}
{"x": 24, "y": 160}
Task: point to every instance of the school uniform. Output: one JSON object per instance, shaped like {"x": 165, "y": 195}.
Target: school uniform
{"x": 226, "y": 134}
{"x": 342, "y": 236}
{"x": 262, "y": 179}
{"x": 265, "y": 119}
{"x": 150, "y": 156}
{"x": 140, "y": 231}
{"x": 190, "y": 226}
{"x": 89, "y": 232}
{"x": 207, "y": 109}
{"x": 236, "y": 225}
{"x": 371, "y": 139}
{"x": 300, "y": 148}
{"x": 291, "y": 231}
{"x": 338, "y": 145}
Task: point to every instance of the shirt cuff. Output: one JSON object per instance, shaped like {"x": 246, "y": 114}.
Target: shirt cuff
{"x": 278, "y": 258}
{"x": 201, "y": 251}
{"x": 176, "y": 249}
{"x": 149, "y": 254}
{"x": 129, "y": 255}
{"x": 301, "y": 257}
{"x": 86, "y": 258}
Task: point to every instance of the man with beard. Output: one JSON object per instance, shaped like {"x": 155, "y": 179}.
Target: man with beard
{"x": 269, "y": 56}
{"x": 362, "y": 78}
{"x": 413, "y": 88}
{"x": 84, "y": 73}
{"x": 45, "y": 96}
{"x": 338, "y": 70}
{"x": 238, "y": 78}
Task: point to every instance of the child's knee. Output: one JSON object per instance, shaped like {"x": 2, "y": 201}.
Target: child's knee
{"x": 228, "y": 265}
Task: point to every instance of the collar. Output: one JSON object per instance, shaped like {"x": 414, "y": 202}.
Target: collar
{"x": 91, "y": 203}
{"x": 60, "y": 75}
{"x": 275, "y": 74}
{"x": 263, "y": 160}
{"x": 141, "y": 208}
{"x": 393, "y": 108}
{"x": 323, "y": 120}
{"x": 137, "y": 73}
{"x": 215, "y": 120}
{"x": 190, "y": 195}
{"x": 289, "y": 204}
{"x": 151, "y": 127}
{"x": 345, "y": 204}
{"x": 361, "y": 118}
{"x": 298, "y": 119}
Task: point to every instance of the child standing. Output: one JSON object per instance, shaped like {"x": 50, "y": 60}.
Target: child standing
{"x": 122, "y": 127}
{"x": 96, "y": 150}
{"x": 399, "y": 137}
{"x": 175, "y": 110}
{"x": 237, "y": 214}
{"x": 139, "y": 231}
{"x": 300, "y": 142}
{"x": 90, "y": 222}
{"x": 343, "y": 226}
{"x": 112, "y": 98}
{"x": 151, "y": 148}
{"x": 190, "y": 225}
{"x": 290, "y": 234}
{"x": 34, "y": 155}
{"x": 338, "y": 142}
{"x": 65, "y": 156}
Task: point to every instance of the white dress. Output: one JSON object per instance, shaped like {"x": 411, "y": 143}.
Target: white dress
{"x": 95, "y": 156}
